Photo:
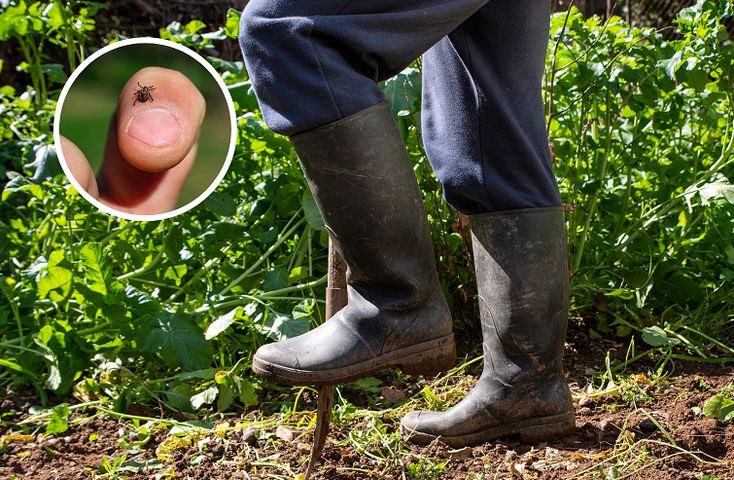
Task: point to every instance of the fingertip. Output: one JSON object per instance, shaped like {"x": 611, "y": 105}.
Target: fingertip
{"x": 79, "y": 167}
{"x": 160, "y": 112}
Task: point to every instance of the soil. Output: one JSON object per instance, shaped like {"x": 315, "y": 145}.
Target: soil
{"x": 608, "y": 433}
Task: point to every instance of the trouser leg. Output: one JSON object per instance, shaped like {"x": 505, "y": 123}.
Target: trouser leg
{"x": 313, "y": 62}
{"x": 483, "y": 116}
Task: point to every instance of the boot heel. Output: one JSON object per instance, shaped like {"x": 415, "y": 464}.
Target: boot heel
{"x": 549, "y": 428}
{"x": 438, "y": 356}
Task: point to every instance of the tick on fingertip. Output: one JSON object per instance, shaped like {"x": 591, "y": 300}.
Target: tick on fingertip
{"x": 142, "y": 95}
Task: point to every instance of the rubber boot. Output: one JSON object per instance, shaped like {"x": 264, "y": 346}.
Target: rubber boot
{"x": 522, "y": 284}
{"x": 363, "y": 183}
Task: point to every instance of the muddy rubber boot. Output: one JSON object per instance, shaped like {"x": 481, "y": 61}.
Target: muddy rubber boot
{"x": 522, "y": 282}
{"x": 363, "y": 183}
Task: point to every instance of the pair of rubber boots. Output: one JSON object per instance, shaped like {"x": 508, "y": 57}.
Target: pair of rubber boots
{"x": 396, "y": 316}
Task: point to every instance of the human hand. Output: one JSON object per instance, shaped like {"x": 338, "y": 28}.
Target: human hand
{"x": 150, "y": 146}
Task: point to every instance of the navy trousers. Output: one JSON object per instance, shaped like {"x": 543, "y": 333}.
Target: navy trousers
{"x": 313, "y": 62}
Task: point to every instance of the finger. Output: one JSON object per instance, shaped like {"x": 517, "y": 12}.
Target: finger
{"x": 79, "y": 166}
{"x": 129, "y": 189}
{"x": 159, "y": 115}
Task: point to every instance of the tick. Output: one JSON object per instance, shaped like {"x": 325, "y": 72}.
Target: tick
{"x": 142, "y": 95}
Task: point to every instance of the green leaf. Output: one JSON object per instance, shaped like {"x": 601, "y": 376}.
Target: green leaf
{"x": 59, "y": 422}
{"x": 175, "y": 273}
{"x": 232, "y": 24}
{"x": 206, "y": 397}
{"x": 225, "y": 397}
{"x": 282, "y": 327}
{"x": 66, "y": 354}
{"x": 657, "y": 337}
{"x": 247, "y": 393}
{"x": 54, "y": 15}
{"x": 13, "y": 20}
{"x": 54, "y": 72}
{"x": 719, "y": 407}
{"x": 275, "y": 279}
{"x": 56, "y": 278}
{"x": 722, "y": 190}
{"x": 297, "y": 274}
{"x": 369, "y": 384}
{"x": 45, "y": 163}
{"x": 221, "y": 324}
{"x": 21, "y": 183}
{"x": 221, "y": 204}
{"x": 311, "y": 211}
{"x": 244, "y": 96}
{"x": 96, "y": 268}
{"x": 403, "y": 91}
{"x": 730, "y": 254}
{"x": 194, "y": 26}
{"x": 179, "y": 397}
{"x": 624, "y": 293}
{"x": 179, "y": 341}
{"x": 670, "y": 65}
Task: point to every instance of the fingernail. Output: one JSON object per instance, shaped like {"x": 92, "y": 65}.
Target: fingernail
{"x": 156, "y": 127}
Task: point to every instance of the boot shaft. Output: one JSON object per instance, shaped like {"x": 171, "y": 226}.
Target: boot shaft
{"x": 522, "y": 282}
{"x": 364, "y": 185}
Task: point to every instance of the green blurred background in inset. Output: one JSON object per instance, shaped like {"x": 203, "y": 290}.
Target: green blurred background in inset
{"x": 92, "y": 99}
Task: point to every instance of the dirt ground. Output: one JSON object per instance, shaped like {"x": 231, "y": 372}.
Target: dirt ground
{"x": 656, "y": 435}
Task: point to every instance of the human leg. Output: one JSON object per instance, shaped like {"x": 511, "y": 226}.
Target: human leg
{"x": 314, "y": 66}
{"x": 484, "y": 133}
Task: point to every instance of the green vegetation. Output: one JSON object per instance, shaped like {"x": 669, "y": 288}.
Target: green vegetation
{"x": 169, "y": 313}
{"x": 642, "y": 130}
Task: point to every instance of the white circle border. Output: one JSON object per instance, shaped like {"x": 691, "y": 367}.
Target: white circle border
{"x": 232, "y": 120}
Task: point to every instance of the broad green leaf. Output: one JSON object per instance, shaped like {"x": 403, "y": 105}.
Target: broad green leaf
{"x": 205, "y": 397}
{"x": 275, "y": 279}
{"x": 175, "y": 273}
{"x": 719, "y": 407}
{"x": 178, "y": 340}
{"x": 54, "y": 72}
{"x": 221, "y": 203}
{"x": 96, "y": 267}
{"x": 369, "y": 384}
{"x": 297, "y": 274}
{"x": 712, "y": 406}
{"x": 221, "y": 324}
{"x": 59, "y": 422}
{"x": 194, "y": 26}
{"x": 232, "y": 25}
{"x": 66, "y": 354}
{"x": 21, "y": 183}
{"x": 55, "y": 278}
{"x": 45, "y": 163}
{"x": 225, "y": 397}
{"x": 244, "y": 95}
{"x": 247, "y": 394}
{"x": 282, "y": 327}
{"x": 730, "y": 254}
{"x": 179, "y": 397}
{"x": 670, "y": 65}
{"x": 657, "y": 337}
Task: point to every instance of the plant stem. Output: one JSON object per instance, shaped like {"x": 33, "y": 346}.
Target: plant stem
{"x": 281, "y": 238}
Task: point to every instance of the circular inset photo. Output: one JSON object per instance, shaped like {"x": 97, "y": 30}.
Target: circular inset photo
{"x": 145, "y": 129}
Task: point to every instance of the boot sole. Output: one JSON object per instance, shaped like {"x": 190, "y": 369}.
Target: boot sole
{"x": 426, "y": 358}
{"x": 533, "y": 430}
